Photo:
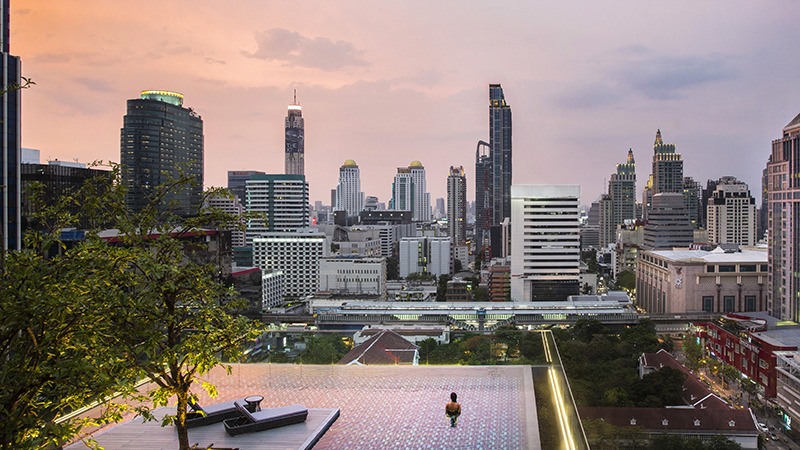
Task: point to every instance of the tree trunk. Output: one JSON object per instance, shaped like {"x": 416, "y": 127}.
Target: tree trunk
{"x": 180, "y": 421}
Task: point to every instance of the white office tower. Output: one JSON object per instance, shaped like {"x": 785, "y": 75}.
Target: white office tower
{"x": 423, "y": 254}
{"x": 409, "y": 192}
{"x": 349, "y": 197}
{"x": 229, "y": 205}
{"x": 365, "y": 276}
{"x": 545, "y": 238}
{"x": 457, "y": 205}
{"x": 296, "y": 254}
{"x": 271, "y": 288}
{"x": 282, "y": 202}
{"x": 731, "y": 214}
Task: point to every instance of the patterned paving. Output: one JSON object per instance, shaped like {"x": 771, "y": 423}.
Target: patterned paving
{"x": 399, "y": 407}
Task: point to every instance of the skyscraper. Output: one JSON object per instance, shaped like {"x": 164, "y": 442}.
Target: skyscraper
{"x": 10, "y": 139}
{"x": 295, "y": 139}
{"x": 622, "y": 189}
{"x": 783, "y": 191}
{"x": 409, "y": 192}
{"x": 349, "y": 197}
{"x": 457, "y": 205}
{"x": 483, "y": 199}
{"x": 160, "y": 139}
{"x": 731, "y": 214}
{"x": 667, "y": 167}
{"x": 283, "y": 201}
{"x": 237, "y": 182}
{"x": 668, "y": 223}
{"x": 500, "y": 145}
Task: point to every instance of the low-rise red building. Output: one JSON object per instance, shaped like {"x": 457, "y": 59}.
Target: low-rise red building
{"x": 748, "y": 342}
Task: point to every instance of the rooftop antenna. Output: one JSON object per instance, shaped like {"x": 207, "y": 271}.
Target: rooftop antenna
{"x": 295, "y": 97}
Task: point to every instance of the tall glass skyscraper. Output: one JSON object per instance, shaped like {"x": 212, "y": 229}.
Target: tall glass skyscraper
{"x": 295, "y": 140}
{"x": 160, "y": 139}
{"x": 500, "y": 145}
{"x": 10, "y": 139}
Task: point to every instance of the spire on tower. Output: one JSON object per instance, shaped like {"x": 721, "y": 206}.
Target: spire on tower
{"x": 630, "y": 156}
{"x": 658, "y": 137}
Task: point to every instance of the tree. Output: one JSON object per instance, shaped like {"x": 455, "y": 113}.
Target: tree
{"x": 457, "y": 266}
{"x": 441, "y": 289}
{"x": 426, "y": 347}
{"x": 626, "y": 280}
{"x": 325, "y": 349}
{"x": 109, "y": 311}
{"x": 480, "y": 294}
{"x": 693, "y": 351}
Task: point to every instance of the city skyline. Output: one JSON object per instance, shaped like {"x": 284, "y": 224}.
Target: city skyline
{"x": 583, "y": 89}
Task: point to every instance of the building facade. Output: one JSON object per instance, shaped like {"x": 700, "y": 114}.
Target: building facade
{"x": 295, "y": 140}
{"x": 457, "y": 205}
{"x": 667, "y": 167}
{"x": 161, "y": 140}
{"x": 668, "y": 223}
{"x": 731, "y": 214}
{"x": 11, "y": 140}
{"x": 622, "y": 189}
{"x": 696, "y": 281}
{"x": 483, "y": 200}
{"x": 296, "y": 254}
{"x": 365, "y": 276}
{"x": 282, "y": 199}
{"x": 409, "y": 192}
{"x": 349, "y": 197}
{"x": 237, "y": 182}
{"x": 229, "y": 205}
{"x": 500, "y": 144}
{"x": 545, "y": 263}
{"x": 271, "y": 288}
{"x": 426, "y": 255}
{"x": 783, "y": 192}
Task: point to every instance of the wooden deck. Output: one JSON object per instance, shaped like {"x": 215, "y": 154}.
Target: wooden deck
{"x": 136, "y": 434}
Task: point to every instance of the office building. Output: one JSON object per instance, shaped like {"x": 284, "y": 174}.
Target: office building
{"x": 606, "y": 227}
{"x": 731, "y": 213}
{"x": 483, "y": 200}
{"x": 545, "y": 263}
{"x": 282, "y": 199}
{"x": 11, "y": 140}
{"x": 622, "y": 189}
{"x": 229, "y": 205}
{"x": 693, "y": 281}
{"x": 161, "y": 140}
{"x": 409, "y": 192}
{"x": 500, "y": 144}
{"x": 783, "y": 191}
{"x": 271, "y": 288}
{"x": 237, "y": 182}
{"x": 693, "y": 202}
{"x": 346, "y": 275}
{"x": 457, "y": 205}
{"x": 426, "y": 255}
{"x": 296, "y": 254}
{"x": 667, "y": 167}
{"x": 668, "y": 223}
{"x": 349, "y": 197}
{"x": 295, "y": 140}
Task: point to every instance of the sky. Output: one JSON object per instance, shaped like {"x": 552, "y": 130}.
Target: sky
{"x": 386, "y": 82}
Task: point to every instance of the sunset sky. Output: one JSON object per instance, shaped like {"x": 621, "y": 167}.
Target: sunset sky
{"x": 388, "y": 82}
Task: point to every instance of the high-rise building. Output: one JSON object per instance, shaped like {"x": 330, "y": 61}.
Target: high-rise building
{"x": 295, "y": 140}
{"x": 693, "y": 202}
{"x": 667, "y": 167}
{"x": 440, "y": 210}
{"x": 500, "y": 144}
{"x": 11, "y": 140}
{"x": 783, "y": 192}
{"x": 545, "y": 263}
{"x": 349, "y": 197}
{"x": 668, "y": 223}
{"x": 232, "y": 206}
{"x": 606, "y": 227}
{"x": 483, "y": 200}
{"x": 423, "y": 254}
{"x": 296, "y": 254}
{"x": 457, "y": 205}
{"x": 732, "y": 214}
{"x": 283, "y": 199}
{"x": 622, "y": 189}
{"x": 162, "y": 140}
{"x": 409, "y": 192}
{"x": 237, "y": 182}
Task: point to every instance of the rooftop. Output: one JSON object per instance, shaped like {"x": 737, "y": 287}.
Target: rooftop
{"x": 714, "y": 256}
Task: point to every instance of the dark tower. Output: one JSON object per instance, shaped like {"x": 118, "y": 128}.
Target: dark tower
{"x": 500, "y": 145}
{"x": 483, "y": 198}
{"x": 160, "y": 139}
{"x": 295, "y": 140}
{"x": 10, "y": 139}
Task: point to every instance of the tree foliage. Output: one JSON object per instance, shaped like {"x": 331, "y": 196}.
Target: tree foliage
{"x": 626, "y": 280}
{"x": 94, "y": 318}
{"x": 324, "y": 349}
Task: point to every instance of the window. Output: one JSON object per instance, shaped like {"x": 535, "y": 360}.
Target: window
{"x": 747, "y": 268}
{"x": 727, "y": 268}
{"x": 708, "y": 304}
{"x": 730, "y": 302}
{"x": 750, "y": 303}
{"x": 710, "y": 269}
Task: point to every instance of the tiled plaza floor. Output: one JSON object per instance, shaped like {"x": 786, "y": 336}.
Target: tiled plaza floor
{"x": 398, "y": 407}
